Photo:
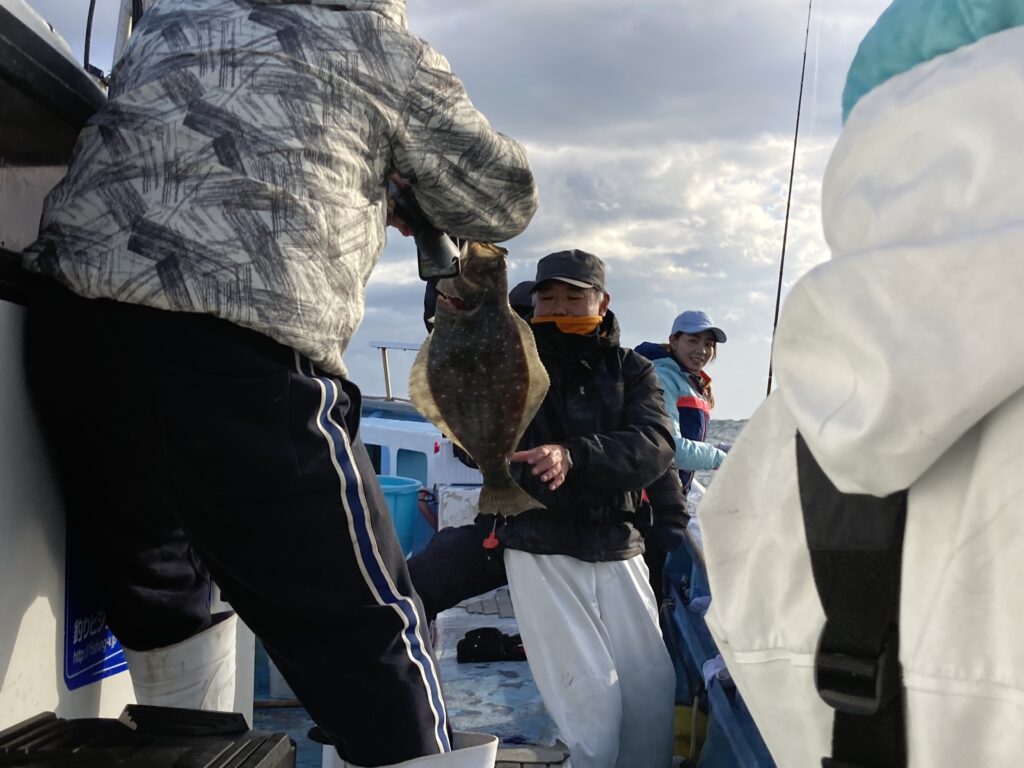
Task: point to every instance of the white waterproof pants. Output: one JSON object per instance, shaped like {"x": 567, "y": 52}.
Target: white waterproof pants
{"x": 469, "y": 750}
{"x": 596, "y": 652}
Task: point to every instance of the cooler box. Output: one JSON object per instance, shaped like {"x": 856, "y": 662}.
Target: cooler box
{"x": 401, "y": 495}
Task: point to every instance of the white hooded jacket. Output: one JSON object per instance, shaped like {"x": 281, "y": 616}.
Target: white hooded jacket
{"x": 239, "y": 166}
{"x": 901, "y": 362}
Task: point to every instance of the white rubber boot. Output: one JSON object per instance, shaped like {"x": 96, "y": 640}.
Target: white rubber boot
{"x": 471, "y": 750}
{"x": 198, "y": 673}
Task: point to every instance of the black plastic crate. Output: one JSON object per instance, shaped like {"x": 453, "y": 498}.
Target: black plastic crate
{"x": 144, "y": 737}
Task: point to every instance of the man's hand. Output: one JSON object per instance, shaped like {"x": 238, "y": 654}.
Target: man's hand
{"x": 393, "y": 220}
{"x": 551, "y": 462}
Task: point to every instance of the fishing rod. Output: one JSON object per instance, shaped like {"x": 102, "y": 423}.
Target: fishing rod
{"x": 130, "y": 13}
{"x": 95, "y": 71}
{"x": 789, "y": 194}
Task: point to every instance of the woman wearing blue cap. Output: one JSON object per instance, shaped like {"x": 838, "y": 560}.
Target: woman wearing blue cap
{"x": 692, "y": 345}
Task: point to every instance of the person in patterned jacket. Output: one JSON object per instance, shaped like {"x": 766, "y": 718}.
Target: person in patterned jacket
{"x": 212, "y": 240}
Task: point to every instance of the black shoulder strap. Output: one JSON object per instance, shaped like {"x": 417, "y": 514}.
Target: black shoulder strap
{"x": 856, "y": 546}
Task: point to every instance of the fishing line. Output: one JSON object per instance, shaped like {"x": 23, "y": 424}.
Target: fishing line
{"x": 815, "y": 101}
{"x": 789, "y": 194}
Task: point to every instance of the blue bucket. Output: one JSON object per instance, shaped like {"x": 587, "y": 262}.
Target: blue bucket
{"x": 401, "y": 495}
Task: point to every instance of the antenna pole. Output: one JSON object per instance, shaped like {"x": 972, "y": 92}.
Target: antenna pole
{"x": 789, "y": 194}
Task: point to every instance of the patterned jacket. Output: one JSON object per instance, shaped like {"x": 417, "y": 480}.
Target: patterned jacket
{"x": 238, "y": 168}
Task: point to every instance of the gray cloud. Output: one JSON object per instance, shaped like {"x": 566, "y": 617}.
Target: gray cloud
{"x": 689, "y": 70}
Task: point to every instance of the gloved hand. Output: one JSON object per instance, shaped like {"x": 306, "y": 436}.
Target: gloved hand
{"x": 723, "y": 447}
{"x": 668, "y": 535}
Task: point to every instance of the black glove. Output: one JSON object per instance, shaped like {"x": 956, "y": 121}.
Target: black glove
{"x": 668, "y": 534}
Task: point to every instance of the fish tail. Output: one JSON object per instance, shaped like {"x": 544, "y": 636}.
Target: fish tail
{"x": 501, "y": 495}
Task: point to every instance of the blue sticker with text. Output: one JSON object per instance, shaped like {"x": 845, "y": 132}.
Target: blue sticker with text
{"x": 91, "y": 652}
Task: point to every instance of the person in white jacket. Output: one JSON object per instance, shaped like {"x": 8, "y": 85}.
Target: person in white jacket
{"x": 900, "y": 364}
{"x": 211, "y": 241}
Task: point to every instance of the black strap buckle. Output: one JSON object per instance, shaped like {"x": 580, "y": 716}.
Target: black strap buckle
{"x": 858, "y": 685}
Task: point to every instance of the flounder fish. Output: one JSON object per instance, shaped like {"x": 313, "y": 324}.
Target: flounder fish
{"x": 478, "y": 377}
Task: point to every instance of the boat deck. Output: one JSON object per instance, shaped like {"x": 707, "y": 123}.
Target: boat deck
{"x": 497, "y": 697}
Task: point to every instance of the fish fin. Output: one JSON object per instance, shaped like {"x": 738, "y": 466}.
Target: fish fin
{"x": 537, "y": 375}
{"x": 506, "y": 500}
{"x": 423, "y": 398}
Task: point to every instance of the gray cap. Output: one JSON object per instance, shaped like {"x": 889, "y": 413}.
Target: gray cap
{"x": 575, "y": 267}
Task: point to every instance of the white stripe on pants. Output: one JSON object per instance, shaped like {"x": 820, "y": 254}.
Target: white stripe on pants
{"x": 596, "y": 653}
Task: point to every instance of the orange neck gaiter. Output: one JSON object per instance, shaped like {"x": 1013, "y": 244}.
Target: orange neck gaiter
{"x": 582, "y": 326}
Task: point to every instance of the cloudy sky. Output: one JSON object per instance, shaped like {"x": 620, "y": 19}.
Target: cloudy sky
{"x": 660, "y": 133}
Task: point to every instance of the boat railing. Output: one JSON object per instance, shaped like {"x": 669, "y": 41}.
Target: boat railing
{"x": 384, "y": 346}
{"x": 730, "y": 736}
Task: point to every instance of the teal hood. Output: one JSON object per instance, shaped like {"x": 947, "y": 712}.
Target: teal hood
{"x": 911, "y": 32}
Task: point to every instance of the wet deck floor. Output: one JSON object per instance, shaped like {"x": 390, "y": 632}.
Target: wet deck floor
{"x": 493, "y": 697}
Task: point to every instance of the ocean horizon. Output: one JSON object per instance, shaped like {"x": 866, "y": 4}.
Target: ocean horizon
{"x": 720, "y": 431}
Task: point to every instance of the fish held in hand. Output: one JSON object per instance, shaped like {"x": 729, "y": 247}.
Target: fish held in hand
{"x": 478, "y": 376}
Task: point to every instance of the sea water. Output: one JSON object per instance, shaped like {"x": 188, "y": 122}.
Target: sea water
{"x": 720, "y": 431}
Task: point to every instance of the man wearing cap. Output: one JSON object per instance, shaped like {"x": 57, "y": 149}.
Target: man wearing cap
{"x": 578, "y": 581}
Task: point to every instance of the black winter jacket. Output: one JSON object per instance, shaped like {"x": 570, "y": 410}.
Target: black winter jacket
{"x": 605, "y": 404}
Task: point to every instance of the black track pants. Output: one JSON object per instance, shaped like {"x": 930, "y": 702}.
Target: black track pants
{"x": 187, "y": 443}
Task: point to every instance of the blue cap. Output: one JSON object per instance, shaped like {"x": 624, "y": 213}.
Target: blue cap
{"x": 695, "y": 321}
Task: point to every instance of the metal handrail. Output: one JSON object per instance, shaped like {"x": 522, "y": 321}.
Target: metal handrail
{"x": 384, "y": 346}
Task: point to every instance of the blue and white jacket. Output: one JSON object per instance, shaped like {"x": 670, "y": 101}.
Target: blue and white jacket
{"x": 688, "y": 410}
